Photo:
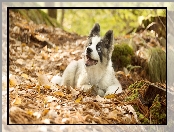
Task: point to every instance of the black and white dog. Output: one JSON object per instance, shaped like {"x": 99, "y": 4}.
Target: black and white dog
{"x": 95, "y": 69}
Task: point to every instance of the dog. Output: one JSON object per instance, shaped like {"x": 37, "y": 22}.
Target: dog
{"x": 95, "y": 70}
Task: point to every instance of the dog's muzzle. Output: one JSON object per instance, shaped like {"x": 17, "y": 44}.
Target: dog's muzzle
{"x": 88, "y": 60}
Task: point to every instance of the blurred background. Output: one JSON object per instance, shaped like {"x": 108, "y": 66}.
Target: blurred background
{"x": 80, "y": 21}
{"x": 142, "y": 29}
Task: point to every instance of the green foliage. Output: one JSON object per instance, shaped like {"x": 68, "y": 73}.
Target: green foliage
{"x": 133, "y": 96}
{"x": 157, "y": 112}
{"x": 157, "y": 65}
{"x": 134, "y": 88}
{"x": 137, "y": 84}
{"x": 122, "y": 54}
{"x": 142, "y": 118}
{"x": 120, "y": 21}
{"x": 37, "y": 16}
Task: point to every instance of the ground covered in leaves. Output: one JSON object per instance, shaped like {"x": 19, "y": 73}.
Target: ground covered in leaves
{"x": 38, "y": 52}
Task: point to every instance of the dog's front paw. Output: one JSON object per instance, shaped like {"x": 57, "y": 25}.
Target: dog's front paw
{"x": 100, "y": 92}
{"x": 86, "y": 88}
{"x": 113, "y": 90}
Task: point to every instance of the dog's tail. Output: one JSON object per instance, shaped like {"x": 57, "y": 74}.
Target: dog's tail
{"x": 56, "y": 80}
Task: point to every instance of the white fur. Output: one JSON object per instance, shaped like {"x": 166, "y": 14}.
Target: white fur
{"x": 56, "y": 80}
{"x": 79, "y": 76}
{"x": 101, "y": 75}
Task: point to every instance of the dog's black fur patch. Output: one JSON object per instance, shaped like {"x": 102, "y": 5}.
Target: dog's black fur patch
{"x": 99, "y": 50}
{"x": 95, "y": 31}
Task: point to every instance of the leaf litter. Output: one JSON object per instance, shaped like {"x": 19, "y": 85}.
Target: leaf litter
{"x": 35, "y": 56}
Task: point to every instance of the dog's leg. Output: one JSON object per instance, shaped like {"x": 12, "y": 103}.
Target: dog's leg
{"x": 68, "y": 78}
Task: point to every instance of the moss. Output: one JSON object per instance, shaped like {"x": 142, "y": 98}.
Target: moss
{"x": 157, "y": 113}
{"x": 134, "y": 88}
{"x": 157, "y": 109}
{"x": 121, "y": 55}
{"x": 142, "y": 118}
{"x": 133, "y": 96}
{"x": 157, "y": 65}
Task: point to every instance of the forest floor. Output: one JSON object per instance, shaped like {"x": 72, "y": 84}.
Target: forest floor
{"x": 37, "y": 53}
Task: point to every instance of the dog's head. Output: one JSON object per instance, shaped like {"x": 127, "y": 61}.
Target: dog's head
{"x": 98, "y": 50}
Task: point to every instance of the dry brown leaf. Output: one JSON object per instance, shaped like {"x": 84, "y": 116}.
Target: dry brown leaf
{"x": 44, "y": 55}
{"x": 44, "y": 112}
{"x": 20, "y": 61}
{"x": 23, "y": 44}
{"x": 32, "y": 51}
{"x": 109, "y": 96}
{"x": 50, "y": 99}
{"x": 17, "y": 101}
{"x": 24, "y": 76}
{"x": 59, "y": 93}
{"x": 56, "y": 48}
{"x": 100, "y": 99}
{"x": 37, "y": 114}
{"x": 13, "y": 81}
{"x": 41, "y": 37}
{"x": 113, "y": 114}
{"x": 74, "y": 92}
{"x": 78, "y": 100}
{"x": 47, "y": 86}
{"x": 45, "y": 48}
{"x": 43, "y": 80}
{"x": 46, "y": 121}
{"x": 30, "y": 112}
{"x": 38, "y": 89}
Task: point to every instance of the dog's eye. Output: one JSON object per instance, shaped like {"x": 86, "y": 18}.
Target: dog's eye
{"x": 98, "y": 48}
{"x": 90, "y": 43}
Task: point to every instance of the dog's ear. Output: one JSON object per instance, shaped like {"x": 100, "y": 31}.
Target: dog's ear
{"x": 108, "y": 39}
{"x": 95, "y": 30}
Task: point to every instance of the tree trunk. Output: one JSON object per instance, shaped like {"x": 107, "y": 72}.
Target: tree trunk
{"x": 51, "y": 12}
{"x": 62, "y": 17}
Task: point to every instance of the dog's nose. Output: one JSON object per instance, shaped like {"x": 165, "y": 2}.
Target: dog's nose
{"x": 89, "y": 50}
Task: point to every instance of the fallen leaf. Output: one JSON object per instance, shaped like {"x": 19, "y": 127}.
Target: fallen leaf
{"x": 56, "y": 48}
{"x": 24, "y": 76}
{"x": 113, "y": 114}
{"x": 109, "y": 96}
{"x": 65, "y": 120}
{"x": 20, "y": 61}
{"x": 45, "y": 48}
{"x": 74, "y": 92}
{"x": 59, "y": 93}
{"x": 37, "y": 114}
{"x": 78, "y": 100}
{"x": 17, "y": 101}
{"x": 47, "y": 86}
{"x": 13, "y": 81}
{"x": 46, "y": 121}
{"x": 38, "y": 89}
{"x": 100, "y": 99}
{"x": 43, "y": 80}
{"x": 44, "y": 113}
{"x": 44, "y": 55}
{"x": 50, "y": 99}
{"x": 41, "y": 37}
{"x": 29, "y": 112}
